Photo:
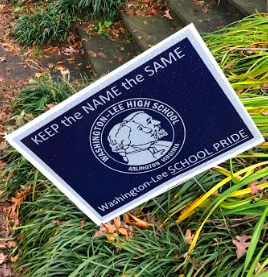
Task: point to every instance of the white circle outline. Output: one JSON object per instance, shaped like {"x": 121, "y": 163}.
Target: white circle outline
{"x": 184, "y": 138}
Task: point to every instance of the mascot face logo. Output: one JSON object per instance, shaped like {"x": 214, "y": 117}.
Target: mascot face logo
{"x": 137, "y": 139}
{"x": 137, "y": 135}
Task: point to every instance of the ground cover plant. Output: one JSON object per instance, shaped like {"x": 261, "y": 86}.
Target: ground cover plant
{"x": 43, "y": 23}
{"x": 219, "y": 230}
{"x": 51, "y": 21}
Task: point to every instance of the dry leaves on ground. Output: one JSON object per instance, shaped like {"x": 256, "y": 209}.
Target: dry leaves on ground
{"x": 115, "y": 229}
{"x": 8, "y": 220}
{"x": 145, "y": 8}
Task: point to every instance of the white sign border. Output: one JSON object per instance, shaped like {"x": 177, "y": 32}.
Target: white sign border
{"x": 189, "y": 32}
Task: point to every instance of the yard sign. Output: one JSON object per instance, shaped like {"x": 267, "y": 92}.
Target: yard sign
{"x": 158, "y": 120}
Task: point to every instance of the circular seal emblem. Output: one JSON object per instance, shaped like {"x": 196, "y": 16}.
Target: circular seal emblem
{"x": 137, "y": 135}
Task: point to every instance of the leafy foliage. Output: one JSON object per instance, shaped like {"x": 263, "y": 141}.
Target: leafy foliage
{"x": 41, "y": 28}
{"x": 54, "y": 23}
{"x": 93, "y": 8}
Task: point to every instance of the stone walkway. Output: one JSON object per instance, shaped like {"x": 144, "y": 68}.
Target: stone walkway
{"x": 14, "y": 67}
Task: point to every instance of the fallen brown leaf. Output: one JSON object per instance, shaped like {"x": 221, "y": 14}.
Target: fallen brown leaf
{"x": 14, "y": 259}
{"x": 188, "y": 236}
{"x": 13, "y": 216}
{"x": 176, "y": 255}
{"x": 123, "y": 232}
{"x": 167, "y": 14}
{"x": 57, "y": 222}
{"x": 136, "y": 30}
{"x": 264, "y": 86}
{"x": 37, "y": 75}
{"x": 133, "y": 220}
{"x": 119, "y": 59}
{"x": 254, "y": 188}
{"x": 102, "y": 230}
{"x": 2, "y": 258}
{"x": 93, "y": 54}
{"x": 50, "y": 106}
{"x": 11, "y": 244}
{"x": 101, "y": 54}
{"x": 239, "y": 90}
{"x": 69, "y": 50}
{"x": 241, "y": 245}
{"x": 199, "y": 3}
{"x": 20, "y": 196}
{"x": 5, "y": 271}
{"x": 110, "y": 227}
{"x": 110, "y": 238}
{"x": 117, "y": 222}
{"x": 62, "y": 69}
{"x": 65, "y": 72}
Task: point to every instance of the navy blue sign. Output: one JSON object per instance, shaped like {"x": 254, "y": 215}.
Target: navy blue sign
{"x": 158, "y": 120}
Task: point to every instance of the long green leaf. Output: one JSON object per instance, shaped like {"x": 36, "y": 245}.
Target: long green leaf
{"x": 261, "y": 267}
{"x": 253, "y": 266}
{"x": 265, "y": 274}
{"x": 254, "y": 240}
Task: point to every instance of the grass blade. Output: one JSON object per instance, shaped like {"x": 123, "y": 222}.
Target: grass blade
{"x": 253, "y": 266}
{"x": 255, "y": 239}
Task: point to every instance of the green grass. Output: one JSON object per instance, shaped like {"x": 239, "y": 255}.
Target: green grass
{"x": 53, "y": 242}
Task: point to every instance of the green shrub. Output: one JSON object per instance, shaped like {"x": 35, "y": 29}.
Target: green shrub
{"x": 67, "y": 6}
{"x": 90, "y": 8}
{"x": 41, "y": 28}
{"x": 54, "y": 23}
{"x": 108, "y": 9}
